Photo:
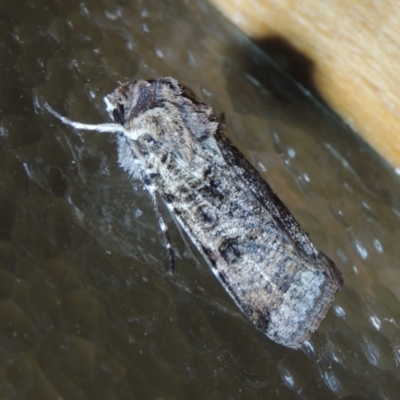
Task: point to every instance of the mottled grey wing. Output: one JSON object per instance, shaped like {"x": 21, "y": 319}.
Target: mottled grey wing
{"x": 265, "y": 195}
{"x": 247, "y": 246}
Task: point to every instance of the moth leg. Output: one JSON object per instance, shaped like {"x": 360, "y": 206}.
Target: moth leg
{"x": 178, "y": 224}
{"x": 163, "y": 226}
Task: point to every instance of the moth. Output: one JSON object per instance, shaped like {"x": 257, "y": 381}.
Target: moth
{"x": 172, "y": 142}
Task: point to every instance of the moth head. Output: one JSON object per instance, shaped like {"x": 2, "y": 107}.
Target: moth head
{"x": 160, "y": 107}
{"x": 119, "y": 101}
{"x": 134, "y": 98}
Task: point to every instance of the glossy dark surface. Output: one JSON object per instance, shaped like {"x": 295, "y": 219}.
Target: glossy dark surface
{"x": 86, "y": 308}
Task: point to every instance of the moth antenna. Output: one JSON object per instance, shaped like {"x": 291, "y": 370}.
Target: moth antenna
{"x": 107, "y": 128}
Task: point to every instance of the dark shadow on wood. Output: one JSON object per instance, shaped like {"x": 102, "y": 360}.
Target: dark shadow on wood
{"x": 281, "y": 77}
{"x": 296, "y": 64}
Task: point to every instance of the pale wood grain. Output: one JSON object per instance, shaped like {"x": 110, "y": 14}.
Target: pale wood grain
{"x": 355, "y": 49}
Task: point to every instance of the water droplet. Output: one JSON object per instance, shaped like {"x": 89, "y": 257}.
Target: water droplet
{"x": 291, "y": 153}
{"x": 378, "y": 245}
{"x": 362, "y": 251}
{"x": 375, "y": 322}
{"x": 339, "y": 311}
{"x": 262, "y": 167}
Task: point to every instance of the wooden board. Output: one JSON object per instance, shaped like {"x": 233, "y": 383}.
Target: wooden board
{"x": 346, "y": 52}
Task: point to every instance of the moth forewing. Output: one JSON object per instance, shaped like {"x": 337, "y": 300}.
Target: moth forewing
{"x": 170, "y": 140}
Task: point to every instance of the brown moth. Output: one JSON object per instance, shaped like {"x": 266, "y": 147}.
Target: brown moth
{"x": 171, "y": 141}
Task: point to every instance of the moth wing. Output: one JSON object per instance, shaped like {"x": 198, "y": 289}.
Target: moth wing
{"x": 270, "y": 201}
